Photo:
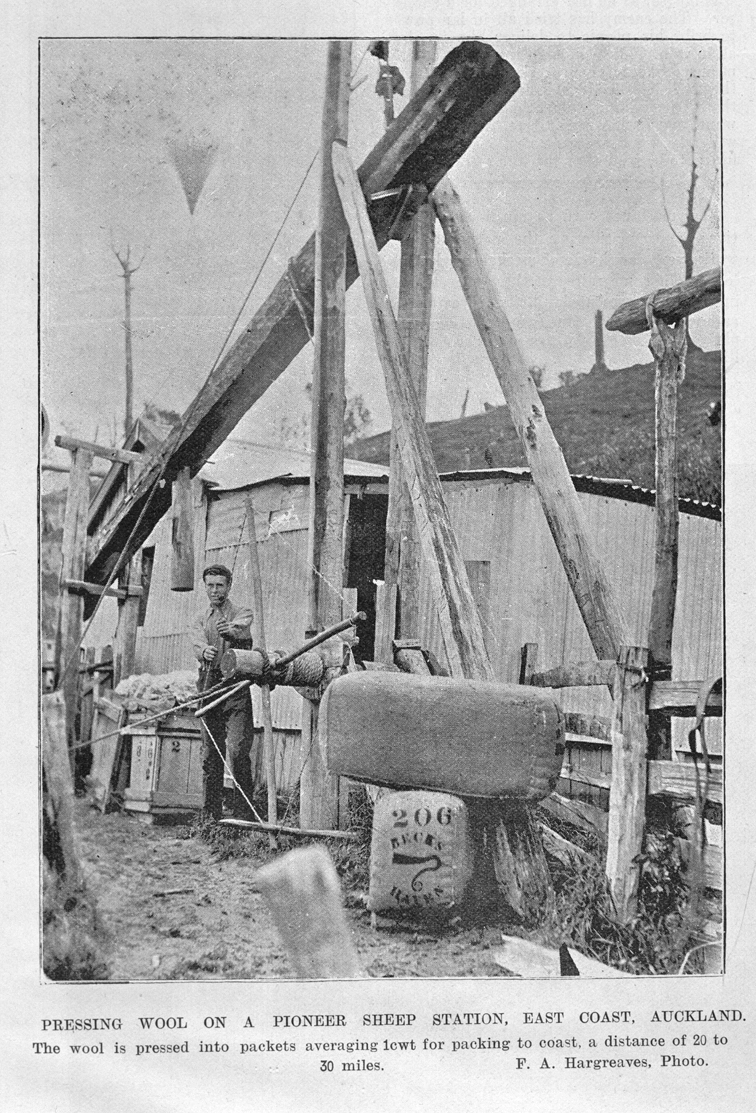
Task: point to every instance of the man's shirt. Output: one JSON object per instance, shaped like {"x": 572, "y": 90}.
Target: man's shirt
{"x": 204, "y": 629}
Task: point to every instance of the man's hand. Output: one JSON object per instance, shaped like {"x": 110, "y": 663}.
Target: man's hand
{"x": 224, "y": 627}
{"x": 209, "y": 653}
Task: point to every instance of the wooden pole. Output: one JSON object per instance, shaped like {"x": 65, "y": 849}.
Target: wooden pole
{"x": 269, "y": 757}
{"x": 318, "y": 789}
{"x": 592, "y": 589}
{"x": 627, "y": 796}
{"x": 182, "y": 536}
{"x": 128, "y": 617}
{"x": 304, "y": 896}
{"x": 668, "y": 347}
{"x": 458, "y": 615}
{"x": 72, "y": 568}
{"x": 402, "y": 562}
{"x": 670, "y": 304}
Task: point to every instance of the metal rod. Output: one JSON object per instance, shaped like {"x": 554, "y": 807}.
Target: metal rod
{"x": 323, "y": 636}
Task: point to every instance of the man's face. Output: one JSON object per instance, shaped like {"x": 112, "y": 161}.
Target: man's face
{"x": 217, "y": 589}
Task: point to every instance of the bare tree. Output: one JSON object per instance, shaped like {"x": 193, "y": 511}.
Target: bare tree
{"x": 128, "y": 270}
{"x": 692, "y": 222}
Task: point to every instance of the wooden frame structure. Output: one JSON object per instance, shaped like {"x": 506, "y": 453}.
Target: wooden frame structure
{"x": 397, "y": 193}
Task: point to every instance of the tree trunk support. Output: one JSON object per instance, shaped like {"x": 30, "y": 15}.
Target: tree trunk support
{"x": 319, "y": 794}
{"x": 590, "y": 586}
{"x": 72, "y": 568}
{"x": 627, "y": 796}
{"x": 402, "y": 564}
{"x": 269, "y": 759}
{"x": 668, "y": 346}
{"x": 128, "y": 617}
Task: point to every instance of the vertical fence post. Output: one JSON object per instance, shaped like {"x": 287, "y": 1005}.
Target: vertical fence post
{"x": 627, "y": 796}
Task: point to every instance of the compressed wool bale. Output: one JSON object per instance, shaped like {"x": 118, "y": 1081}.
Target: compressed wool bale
{"x": 421, "y": 854}
{"x": 469, "y": 737}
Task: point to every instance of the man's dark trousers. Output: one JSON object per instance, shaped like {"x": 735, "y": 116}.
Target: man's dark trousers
{"x": 231, "y": 725}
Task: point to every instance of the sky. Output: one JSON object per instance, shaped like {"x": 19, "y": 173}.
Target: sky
{"x": 566, "y": 188}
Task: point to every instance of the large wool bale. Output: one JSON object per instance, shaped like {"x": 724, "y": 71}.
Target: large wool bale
{"x": 469, "y": 737}
{"x": 421, "y": 854}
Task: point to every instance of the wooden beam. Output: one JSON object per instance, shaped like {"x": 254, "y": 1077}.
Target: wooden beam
{"x": 73, "y": 558}
{"x": 269, "y": 756}
{"x": 319, "y": 790}
{"x": 458, "y": 616}
{"x": 590, "y": 585}
{"x": 81, "y": 587}
{"x": 670, "y": 304}
{"x": 678, "y": 697}
{"x": 582, "y": 674}
{"x": 627, "y": 796}
{"x": 117, "y": 455}
{"x": 678, "y": 779}
{"x": 182, "y": 533}
{"x": 402, "y": 561}
{"x": 589, "y": 726}
{"x": 439, "y": 123}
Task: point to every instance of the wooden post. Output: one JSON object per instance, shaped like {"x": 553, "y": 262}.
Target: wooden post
{"x": 599, "y": 363}
{"x": 304, "y": 896}
{"x": 182, "y": 536}
{"x": 592, "y": 590}
{"x": 668, "y": 346}
{"x": 627, "y": 796}
{"x": 402, "y": 564}
{"x": 269, "y": 757}
{"x": 72, "y": 568}
{"x": 318, "y": 789}
{"x": 458, "y": 615}
{"x": 128, "y": 617}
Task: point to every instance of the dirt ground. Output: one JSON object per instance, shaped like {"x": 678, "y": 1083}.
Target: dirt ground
{"x": 218, "y": 927}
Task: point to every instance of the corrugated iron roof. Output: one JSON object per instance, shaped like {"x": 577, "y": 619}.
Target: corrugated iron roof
{"x": 240, "y": 463}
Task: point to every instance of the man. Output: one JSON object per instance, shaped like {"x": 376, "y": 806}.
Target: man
{"x": 227, "y": 729}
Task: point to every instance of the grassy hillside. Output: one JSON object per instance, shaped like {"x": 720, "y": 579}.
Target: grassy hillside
{"x": 604, "y": 424}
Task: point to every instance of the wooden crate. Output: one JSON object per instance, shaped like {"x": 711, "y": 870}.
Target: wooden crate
{"x": 166, "y": 769}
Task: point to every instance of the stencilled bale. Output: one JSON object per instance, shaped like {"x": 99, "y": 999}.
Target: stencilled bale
{"x": 469, "y": 737}
{"x": 421, "y": 854}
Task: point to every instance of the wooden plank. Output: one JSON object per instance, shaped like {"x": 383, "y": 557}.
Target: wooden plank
{"x": 269, "y": 753}
{"x": 439, "y": 123}
{"x": 385, "y": 622}
{"x": 528, "y": 662}
{"x": 671, "y": 304}
{"x": 678, "y": 697}
{"x": 182, "y": 533}
{"x": 73, "y": 559}
{"x": 678, "y": 779}
{"x": 304, "y": 896}
{"x": 458, "y": 616}
{"x": 627, "y": 796}
{"x": 118, "y": 455}
{"x": 562, "y": 849}
{"x": 402, "y": 561}
{"x": 588, "y": 818}
{"x": 319, "y": 791}
{"x": 81, "y": 587}
{"x": 590, "y": 585}
{"x": 583, "y": 674}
